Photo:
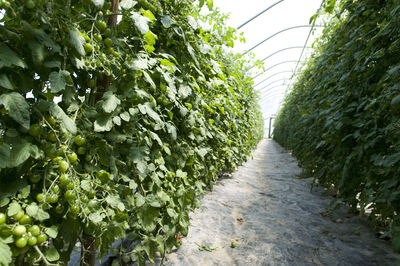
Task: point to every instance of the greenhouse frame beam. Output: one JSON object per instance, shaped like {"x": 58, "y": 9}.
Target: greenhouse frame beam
{"x": 259, "y": 14}
{"x": 279, "y": 32}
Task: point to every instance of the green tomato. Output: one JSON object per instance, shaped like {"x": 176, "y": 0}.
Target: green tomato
{"x": 35, "y": 178}
{"x": 19, "y": 214}
{"x": 26, "y": 219}
{"x": 101, "y": 25}
{"x": 97, "y": 37}
{"x": 108, "y": 42}
{"x": 35, "y": 130}
{"x": 40, "y": 197}
{"x": 3, "y": 218}
{"x": 79, "y": 140}
{"x": 52, "y": 137}
{"x": 63, "y": 166}
{"x": 70, "y": 195}
{"x": 60, "y": 208}
{"x": 64, "y": 180}
{"x": 53, "y": 198}
{"x": 72, "y": 157}
{"x": 75, "y": 209}
{"x": 34, "y": 230}
{"x": 41, "y": 238}
{"x": 104, "y": 176}
{"x": 52, "y": 121}
{"x": 100, "y": 13}
{"x": 81, "y": 150}
{"x": 21, "y": 242}
{"x": 19, "y": 230}
{"x": 30, "y": 4}
{"x": 88, "y": 47}
{"x": 55, "y": 188}
{"x": 88, "y": 158}
{"x": 32, "y": 240}
{"x": 51, "y": 152}
{"x": 107, "y": 32}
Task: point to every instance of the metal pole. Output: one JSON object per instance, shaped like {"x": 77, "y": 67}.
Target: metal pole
{"x": 277, "y": 33}
{"x": 269, "y": 129}
{"x": 262, "y": 12}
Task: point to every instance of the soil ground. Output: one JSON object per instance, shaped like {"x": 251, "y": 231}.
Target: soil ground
{"x": 275, "y": 219}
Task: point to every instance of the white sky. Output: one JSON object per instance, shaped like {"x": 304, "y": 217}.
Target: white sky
{"x": 285, "y": 14}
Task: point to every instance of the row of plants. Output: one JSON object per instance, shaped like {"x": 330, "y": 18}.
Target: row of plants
{"x": 115, "y": 117}
{"x": 342, "y": 117}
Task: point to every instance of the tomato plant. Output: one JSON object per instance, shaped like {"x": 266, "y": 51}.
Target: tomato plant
{"x": 341, "y": 119}
{"x": 113, "y": 129}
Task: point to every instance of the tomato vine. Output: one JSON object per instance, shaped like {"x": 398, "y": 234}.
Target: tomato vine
{"x": 342, "y": 118}
{"x": 110, "y": 133}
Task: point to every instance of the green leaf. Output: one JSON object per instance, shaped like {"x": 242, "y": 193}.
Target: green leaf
{"x": 21, "y": 152}
{"x": 141, "y": 22}
{"x": 147, "y": 109}
{"x": 86, "y": 185}
{"x": 96, "y": 217}
{"x": 64, "y": 120}
{"x": 111, "y": 102}
{"x": 172, "y": 213}
{"x": 396, "y": 100}
{"x": 52, "y": 231}
{"x": 148, "y": 14}
{"x": 98, "y": 3}
{"x": 5, "y": 254}
{"x": 166, "y": 21}
{"x": 9, "y": 58}
{"x": 127, "y": 4}
{"x": 58, "y": 80}
{"x": 149, "y": 79}
{"x": 210, "y": 4}
{"x": 117, "y": 120}
{"x": 148, "y": 217}
{"x": 25, "y": 192}
{"x": 17, "y": 108}
{"x": 150, "y": 38}
{"x": 77, "y": 41}
{"x": 103, "y": 123}
{"x": 184, "y": 91}
{"x": 5, "y": 82}
{"x": 139, "y": 63}
{"x": 13, "y": 208}
{"x": 125, "y": 116}
{"x": 180, "y": 173}
{"x": 37, "y": 212}
{"x": 52, "y": 254}
{"x": 4, "y": 154}
{"x": 139, "y": 200}
{"x": 171, "y": 130}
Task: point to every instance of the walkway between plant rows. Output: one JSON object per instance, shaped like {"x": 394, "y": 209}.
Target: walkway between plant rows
{"x": 275, "y": 219}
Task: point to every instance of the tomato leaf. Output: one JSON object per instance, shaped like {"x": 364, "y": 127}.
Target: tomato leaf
{"x": 111, "y": 102}
{"x": 52, "y": 231}
{"x": 77, "y": 41}
{"x": 141, "y": 22}
{"x": 9, "y": 58}
{"x": 17, "y": 108}
{"x": 58, "y": 80}
{"x": 52, "y": 254}
{"x": 98, "y": 3}
{"x": 21, "y": 152}
{"x": 13, "y": 208}
{"x": 5, "y": 82}
{"x": 103, "y": 123}
{"x": 127, "y": 4}
{"x": 5, "y": 254}
{"x": 65, "y": 121}
{"x": 166, "y": 21}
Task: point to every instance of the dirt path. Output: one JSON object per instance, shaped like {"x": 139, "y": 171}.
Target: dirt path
{"x": 275, "y": 220}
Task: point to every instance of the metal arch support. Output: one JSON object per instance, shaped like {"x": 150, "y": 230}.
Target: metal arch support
{"x": 279, "y": 32}
{"x": 262, "y": 12}
{"x": 281, "y": 50}
{"x": 280, "y": 63}
{"x": 271, "y": 93}
{"x": 273, "y": 82}
{"x": 280, "y": 85}
{"x": 287, "y": 71}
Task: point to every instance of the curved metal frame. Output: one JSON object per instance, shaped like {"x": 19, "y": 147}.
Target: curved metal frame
{"x": 287, "y": 71}
{"x": 262, "y": 12}
{"x": 269, "y": 84}
{"x": 280, "y": 63}
{"x": 281, "y": 50}
{"x": 279, "y": 32}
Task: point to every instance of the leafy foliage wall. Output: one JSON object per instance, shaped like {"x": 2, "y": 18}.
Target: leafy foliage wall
{"x": 113, "y": 127}
{"x": 342, "y": 118}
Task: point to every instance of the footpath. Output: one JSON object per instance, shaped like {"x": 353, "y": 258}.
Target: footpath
{"x": 274, "y": 219}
